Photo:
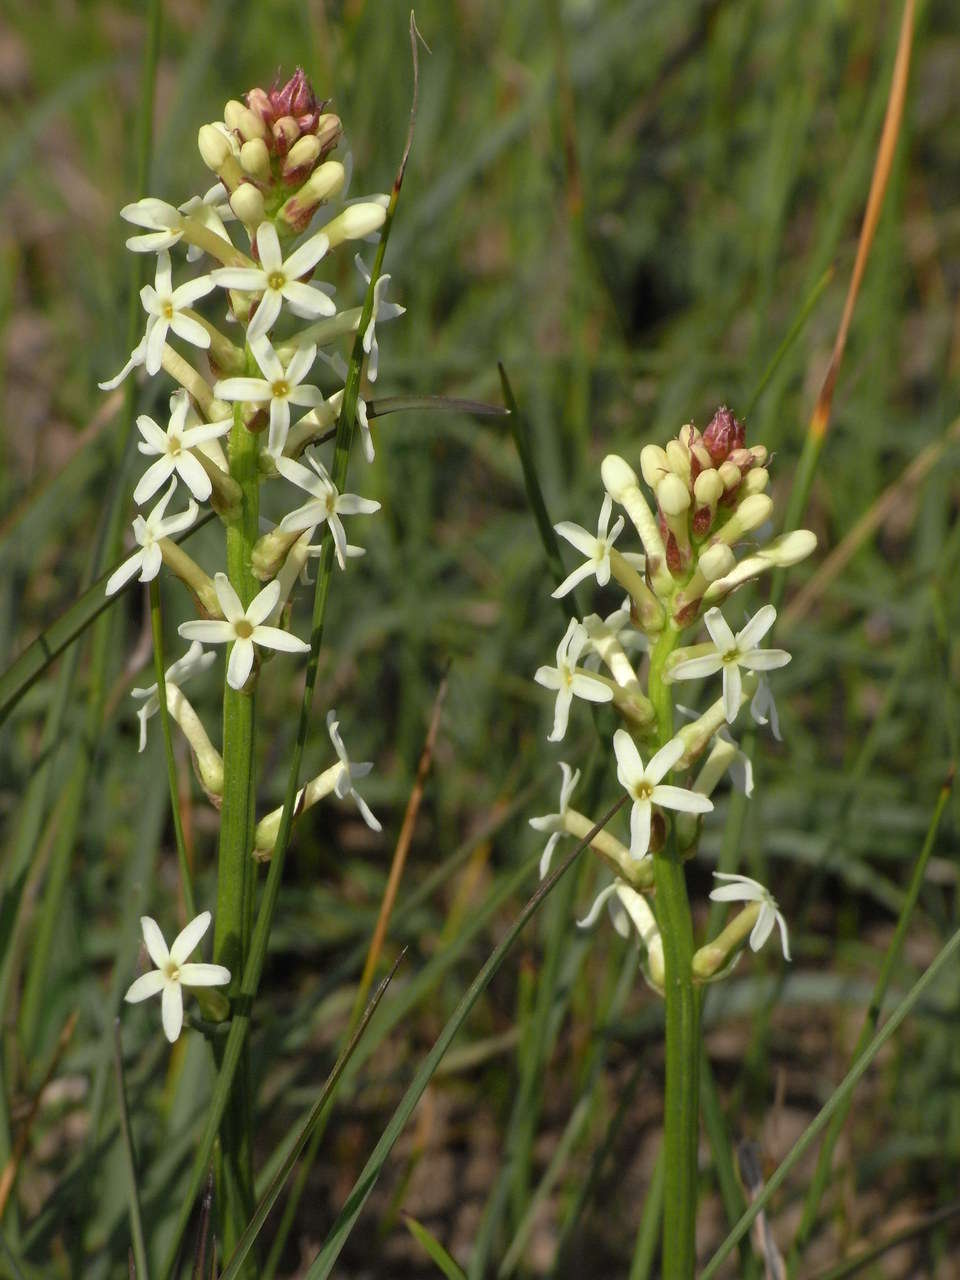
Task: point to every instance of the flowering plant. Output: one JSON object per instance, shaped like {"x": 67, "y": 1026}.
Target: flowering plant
{"x": 710, "y": 498}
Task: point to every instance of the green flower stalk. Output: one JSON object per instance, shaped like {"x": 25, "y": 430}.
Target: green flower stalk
{"x": 708, "y": 498}
{"x": 233, "y": 427}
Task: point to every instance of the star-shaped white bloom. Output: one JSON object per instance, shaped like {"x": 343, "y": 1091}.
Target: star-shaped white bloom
{"x": 148, "y": 533}
{"x": 731, "y": 652}
{"x": 553, "y": 822}
{"x": 173, "y": 972}
{"x": 327, "y": 503}
{"x": 211, "y": 210}
{"x": 279, "y": 387}
{"x": 349, "y": 772}
{"x": 163, "y": 222}
{"x": 743, "y": 889}
{"x": 643, "y": 785}
{"x": 595, "y": 547}
{"x": 279, "y": 281}
{"x": 196, "y": 659}
{"x": 243, "y": 628}
{"x": 568, "y": 680}
{"x": 383, "y": 311}
{"x": 172, "y": 450}
{"x": 136, "y": 358}
{"x": 165, "y": 306}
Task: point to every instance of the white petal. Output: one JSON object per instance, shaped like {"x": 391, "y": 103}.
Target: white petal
{"x": 720, "y": 632}
{"x": 263, "y": 603}
{"x": 763, "y": 928}
{"x": 549, "y": 677}
{"x": 210, "y": 630}
{"x": 204, "y": 975}
{"x": 268, "y": 246}
{"x": 185, "y": 943}
{"x": 147, "y": 985}
{"x": 586, "y": 570}
{"x": 640, "y": 816}
{"x": 123, "y": 573}
{"x": 255, "y": 390}
{"x": 190, "y": 330}
{"x": 194, "y": 476}
{"x": 153, "y": 938}
{"x": 561, "y": 715}
{"x": 227, "y": 598}
{"x": 697, "y": 668}
{"x": 594, "y": 913}
{"x": 275, "y": 638}
{"x": 589, "y": 688}
{"x": 265, "y": 316}
{"x": 547, "y": 856}
{"x": 152, "y": 433}
{"x": 240, "y": 663}
{"x": 765, "y": 659}
{"x": 243, "y": 279}
{"x": 757, "y": 627}
{"x": 629, "y": 763}
{"x": 577, "y": 536}
{"x": 279, "y": 426}
{"x": 732, "y": 689}
{"x": 307, "y": 256}
{"x": 306, "y": 301}
{"x": 680, "y": 798}
{"x": 661, "y": 764}
{"x": 172, "y": 1011}
{"x": 301, "y": 363}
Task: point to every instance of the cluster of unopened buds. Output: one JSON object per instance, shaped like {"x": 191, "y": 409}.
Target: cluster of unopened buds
{"x": 238, "y": 380}
{"x": 710, "y": 501}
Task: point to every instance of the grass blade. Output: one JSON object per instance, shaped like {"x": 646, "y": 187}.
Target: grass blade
{"x": 130, "y": 1163}
{"x": 438, "y": 1254}
{"x": 837, "y": 1100}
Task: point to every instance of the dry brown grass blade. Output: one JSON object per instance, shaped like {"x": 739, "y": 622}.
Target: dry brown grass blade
{"x": 400, "y": 854}
{"x": 866, "y": 526}
{"x": 9, "y": 1174}
{"x": 820, "y": 420}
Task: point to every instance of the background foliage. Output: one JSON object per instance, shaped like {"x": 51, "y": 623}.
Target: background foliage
{"x": 627, "y": 203}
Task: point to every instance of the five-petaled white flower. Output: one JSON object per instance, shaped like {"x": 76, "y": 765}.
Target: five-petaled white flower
{"x": 327, "y": 503}
{"x": 568, "y": 680}
{"x": 595, "y": 547}
{"x": 731, "y": 652}
{"x": 643, "y": 785}
{"x": 243, "y": 628}
{"x": 172, "y": 450}
{"x": 279, "y": 281}
{"x": 163, "y": 222}
{"x": 279, "y": 387}
{"x": 165, "y": 307}
{"x": 195, "y": 659}
{"x": 173, "y": 972}
{"x": 743, "y": 889}
{"x": 148, "y": 532}
{"x": 382, "y": 311}
{"x": 553, "y": 822}
{"x": 348, "y": 772}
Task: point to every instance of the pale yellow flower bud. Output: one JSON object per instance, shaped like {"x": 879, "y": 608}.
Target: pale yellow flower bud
{"x": 255, "y": 158}
{"x": 653, "y": 464}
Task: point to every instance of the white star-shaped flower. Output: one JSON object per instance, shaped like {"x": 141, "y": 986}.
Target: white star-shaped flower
{"x": 743, "y": 889}
{"x": 165, "y": 306}
{"x": 163, "y": 222}
{"x": 148, "y": 532}
{"x": 243, "y": 628}
{"x": 553, "y": 822}
{"x": 568, "y": 680}
{"x": 643, "y": 785}
{"x": 595, "y": 547}
{"x": 349, "y": 772}
{"x": 196, "y": 659}
{"x": 327, "y": 503}
{"x": 211, "y": 210}
{"x": 279, "y": 387}
{"x": 382, "y": 311}
{"x": 279, "y": 281}
{"x": 135, "y": 360}
{"x": 731, "y": 652}
{"x": 174, "y": 972}
{"x": 172, "y": 450}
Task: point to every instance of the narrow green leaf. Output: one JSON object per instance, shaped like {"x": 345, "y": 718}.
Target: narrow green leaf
{"x": 836, "y": 1102}
{"x": 346, "y": 1219}
{"x": 438, "y": 1254}
{"x": 130, "y": 1162}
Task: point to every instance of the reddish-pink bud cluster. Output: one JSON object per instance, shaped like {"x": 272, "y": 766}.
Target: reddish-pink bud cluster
{"x": 292, "y": 111}
{"x": 722, "y": 434}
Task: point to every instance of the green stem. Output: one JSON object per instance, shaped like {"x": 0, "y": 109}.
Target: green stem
{"x": 235, "y": 866}
{"x": 682, "y": 1017}
{"x": 156, "y": 626}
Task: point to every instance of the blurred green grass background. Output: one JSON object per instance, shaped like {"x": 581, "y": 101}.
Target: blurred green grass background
{"x": 627, "y": 203}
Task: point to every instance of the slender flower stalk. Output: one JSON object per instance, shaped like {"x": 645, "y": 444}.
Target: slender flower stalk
{"x": 706, "y": 495}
